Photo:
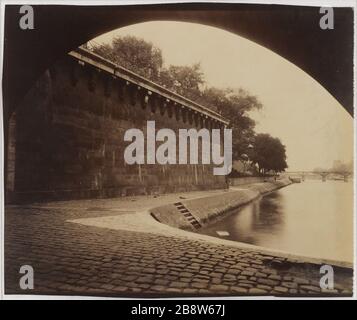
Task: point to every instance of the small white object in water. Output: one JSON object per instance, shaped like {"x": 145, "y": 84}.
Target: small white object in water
{"x": 223, "y": 233}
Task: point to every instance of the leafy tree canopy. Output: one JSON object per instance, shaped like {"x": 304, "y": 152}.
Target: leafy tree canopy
{"x": 184, "y": 80}
{"x": 135, "y": 54}
{"x": 234, "y": 105}
{"x": 268, "y": 153}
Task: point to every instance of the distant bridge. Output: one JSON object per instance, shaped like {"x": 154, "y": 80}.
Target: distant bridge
{"x": 322, "y": 174}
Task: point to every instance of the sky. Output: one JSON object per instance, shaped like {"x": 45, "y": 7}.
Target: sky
{"x": 313, "y": 126}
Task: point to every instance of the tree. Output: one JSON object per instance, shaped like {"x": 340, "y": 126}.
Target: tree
{"x": 268, "y": 153}
{"x": 339, "y": 166}
{"x": 184, "y": 80}
{"x": 135, "y": 54}
{"x": 234, "y": 104}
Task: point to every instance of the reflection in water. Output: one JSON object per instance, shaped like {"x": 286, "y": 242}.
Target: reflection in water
{"x": 312, "y": 218}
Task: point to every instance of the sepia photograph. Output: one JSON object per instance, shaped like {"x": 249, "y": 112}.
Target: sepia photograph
{"x": 177, "y": 150}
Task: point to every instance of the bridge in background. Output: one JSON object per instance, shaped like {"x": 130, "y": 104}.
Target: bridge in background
{"x": 323, "y": 174}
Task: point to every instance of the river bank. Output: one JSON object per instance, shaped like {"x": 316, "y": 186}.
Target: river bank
{"x": 124, "y": 252}
{"x": 292, "y": 218}
{"x": 192, "y": 214}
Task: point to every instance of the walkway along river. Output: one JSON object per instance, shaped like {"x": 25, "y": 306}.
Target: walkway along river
{"x": 311, "y": 218}
{"x": 123, "y": 251}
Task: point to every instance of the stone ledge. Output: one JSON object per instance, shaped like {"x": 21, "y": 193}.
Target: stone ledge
{"x": 25, "y": 197}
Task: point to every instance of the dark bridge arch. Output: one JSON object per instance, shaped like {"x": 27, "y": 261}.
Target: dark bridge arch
{"x": 291, "y": 32}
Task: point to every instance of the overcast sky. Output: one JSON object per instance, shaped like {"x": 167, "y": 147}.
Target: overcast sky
{"x": 309, "y": 121}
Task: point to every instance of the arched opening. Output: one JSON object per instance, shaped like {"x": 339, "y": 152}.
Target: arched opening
{"x": 270, "y": 26}
{"x": 186, "y": 115}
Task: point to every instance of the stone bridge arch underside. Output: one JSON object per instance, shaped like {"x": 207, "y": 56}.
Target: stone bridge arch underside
{"x": 291, "y": 32}
{"x": 325, "y": 55}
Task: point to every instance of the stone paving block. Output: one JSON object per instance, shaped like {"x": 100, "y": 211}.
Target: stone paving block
{"x": 199, "y": 285}
{"x": 291, "y": 285}
{"x": 281, "y": 289}
{"x": 237, "y": 289}
{"x": 178, "y": 284}
{"x": 268, "y": 282}
{"x": 310, "y": 288}
{"x": 190, "y": 291}
{"x": 264, "y": 287}
{"x": 158, "y": 288}
{"x": 160, "y": 281}
{"x": 218, "y": 287}
{"x": 275, "y": 277}
{"x": 257, "y": 291}
{"x": 300, "y": 280}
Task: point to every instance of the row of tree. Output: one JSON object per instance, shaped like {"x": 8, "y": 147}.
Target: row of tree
{"x": 143, "y": 58}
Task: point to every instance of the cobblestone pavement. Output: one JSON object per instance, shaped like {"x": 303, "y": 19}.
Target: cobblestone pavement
{"x": 76, "y": 259}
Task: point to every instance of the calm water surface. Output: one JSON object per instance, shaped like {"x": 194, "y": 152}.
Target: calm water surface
{"x": 312, "y": 218}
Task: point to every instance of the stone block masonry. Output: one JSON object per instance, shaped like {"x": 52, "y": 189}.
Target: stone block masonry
{"x": 66, "y": 138}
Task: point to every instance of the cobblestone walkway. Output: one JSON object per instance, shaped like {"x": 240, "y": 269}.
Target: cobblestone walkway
{"x": 76, "y": 259}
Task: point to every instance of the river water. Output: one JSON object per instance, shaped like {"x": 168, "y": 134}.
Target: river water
{"x": 312, "y": 218}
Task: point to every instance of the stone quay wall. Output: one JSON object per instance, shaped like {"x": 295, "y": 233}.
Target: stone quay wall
{"x": 205, "y": 210}
{"x": 67, "y": 137}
